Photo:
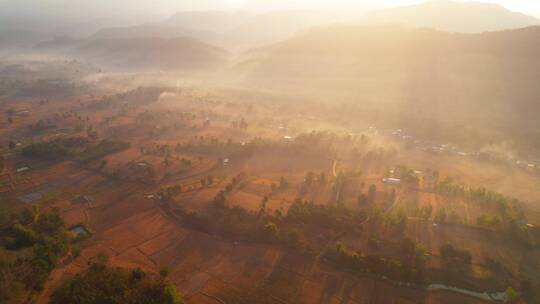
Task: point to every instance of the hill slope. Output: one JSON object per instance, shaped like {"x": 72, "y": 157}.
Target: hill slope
{"x": 415, "y": 74}
{"x": 152, "y": 53}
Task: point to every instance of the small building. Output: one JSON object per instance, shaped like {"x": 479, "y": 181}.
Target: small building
{"x": 142, "y": 164}
{"x": 81, "y": 199}
{"x": 79, "y": 230}
{"x": 30, "y": 197}
{"x": 226, "y": 162}
{"x": 22, "y": 169}
{"x": 392, "y": 181}
{"x": 23, "y": 113}
{"x": 287, "y": 137}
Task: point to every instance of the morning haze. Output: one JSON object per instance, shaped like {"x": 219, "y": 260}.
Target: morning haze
{"x": 254, "y": 151}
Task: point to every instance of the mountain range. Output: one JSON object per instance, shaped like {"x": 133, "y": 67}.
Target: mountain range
{"x": 452, "y": 16}
{"x": 203, "y": 39}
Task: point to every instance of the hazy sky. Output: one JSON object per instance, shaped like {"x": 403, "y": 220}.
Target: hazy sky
{"x": 165, "y": 7}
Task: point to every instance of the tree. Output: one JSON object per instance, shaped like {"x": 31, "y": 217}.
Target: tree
{"x": 23, "y": 236}
{"x": 372, "y": 192}
{"x": 441, "y": 215}
{"x": 283, "y": 184}
{"x": 362, "y": 200}
{"x": 271, "y": 230}
{"x": 2, "y": 163}
{"x": 322, "y": 178}
{"x": 392, "y": 197}
{"x": 91, "y": 133}
{"x": 12, "y": 145}
{"x": 511, "y": 294}
{"x": 243, "y": 124}
{"x": 407, "y": 249}
{"x": 310, "y": 177}
{"x": 401, "y": 219}
{"x": 164, "y": 272}
{"x": 420, "y": 252}
{"x": 171, "y": 295}
{"x": 293, "y": 237}
{"x": 427, "y": 211}
{"x": 340, "y": 248}
{"x": 137, "y": 274}
{"x": 373, "y": 243}
{"x": 264, "y": 201}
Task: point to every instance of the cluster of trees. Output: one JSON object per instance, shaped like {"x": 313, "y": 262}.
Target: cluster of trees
{"x": 59, "y": 148}
{"x": 187, "y": 163}
{"x": 455, "y": 259}
{"x": 220, "y": 200}
{"x": 166, "y": 194}
{"x": 406, "y": 175}
{"x": 330, "y": 216}
{"x": 91, "y": 133}
{"x": 431, "y": 178}
{"x": 317, "y": 143}
{"x": 290, "y": 229}
{"x": 242, "y": 124}
{"x": 103, "y": 148}
{"x": 33, "y": 242}
{"x": 230, "y": 222}
{"x": 489, "y": 221}
{"x": 312, "y": 180}
{"x": 207, "y": 181}
{"x": 215, "y": 147}
{"x": 158, "y": 150}
{"x": 140, "y": 95}
{"x": 423, "y": 212}
{"x": 526, "y": 236}
{"x": 283, "y": 185}
{"x": 41, "y": 126}
{"x": 408, "y": 266}
{"x": 62, "y": 148}
{"x": 481, "y": 195}
{"x": 103, "y": 284}
{"x": 441, "y": 216}
{"x": 396, "y": 221}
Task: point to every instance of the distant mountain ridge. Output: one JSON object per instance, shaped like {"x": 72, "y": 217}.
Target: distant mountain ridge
{"x": 154, "y": 53}
{"x": 453, "y": 16}
{"x": 233, "y": 30}
{"x": 210, "y": 33}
